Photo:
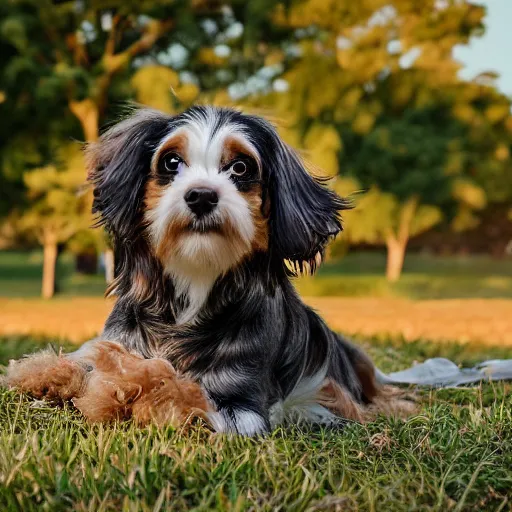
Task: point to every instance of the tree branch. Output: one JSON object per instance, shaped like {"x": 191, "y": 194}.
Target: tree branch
{"x": 154, "y": 30}
{"x": 110, "y": 45}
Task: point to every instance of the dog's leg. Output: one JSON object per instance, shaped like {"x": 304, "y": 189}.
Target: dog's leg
{"x": 238, "y": 396}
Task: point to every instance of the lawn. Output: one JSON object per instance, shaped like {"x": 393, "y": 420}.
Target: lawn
{"x": 356, "y": 275}
{"x": 425, "y": 277}
{"x": 21, "y": 273}
{"x": 455, "y": 454}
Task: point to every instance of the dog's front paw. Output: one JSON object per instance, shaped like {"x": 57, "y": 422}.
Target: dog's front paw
{"x": 238, "y": 421}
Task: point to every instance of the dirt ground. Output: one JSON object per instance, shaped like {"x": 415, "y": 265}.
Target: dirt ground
{"x": 487, "y": 321}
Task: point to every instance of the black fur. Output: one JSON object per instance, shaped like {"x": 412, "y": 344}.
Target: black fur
{"x": 254, "y": 339}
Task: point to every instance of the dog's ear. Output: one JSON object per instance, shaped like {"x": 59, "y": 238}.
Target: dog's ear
{"x": 304, "y": 213}
{"x": 118, "y": 166}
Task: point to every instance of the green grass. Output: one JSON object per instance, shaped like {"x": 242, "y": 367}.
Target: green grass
{"x": 424, "y": 277}
{"x": 455, "y": 454}
{"x": 21, "y": 273}
{"x": 357, "y": 274}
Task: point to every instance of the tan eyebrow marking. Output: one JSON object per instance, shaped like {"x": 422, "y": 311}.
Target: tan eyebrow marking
{"x": 177, "y": 144}
{"x": 233, "y": 147}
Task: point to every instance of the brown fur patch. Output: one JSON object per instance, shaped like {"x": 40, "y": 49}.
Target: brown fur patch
{"x": 140, "y": 287}
{"x": 365, "y": 371}
{"x": 253, "y": 198}
{"x": 388, "y": 401}
{"x": 169, "y": 241}
{"x": 339, "y": 401}
{"x": 121, "y": 385}
{"x": 152, "y": 194}
{"x": 176, "y": 144}
{"x": 233, "y": 147}
{"x": 46, "y": 374}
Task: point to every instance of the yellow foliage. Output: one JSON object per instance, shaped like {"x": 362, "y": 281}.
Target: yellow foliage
{"x": 346, "y": 186}
{"x": 187, "y": 93}
{"x": 323, "y": 144}
{"x": 377, "y": 213}
{"x": 464, "y": 112}
{"x": 502, "y": 152}
{"x": 210, "y": 58}
{"x": 274, "y": 57}
{"x": 159, "y": 87}
{"x": 426, "y": 217}
{"x": 57, "y": 206}
{"x": 496, "y": 113}
{"x": 469, "y": 194}
{"x": 363, "y": 122}
{"x": 464, "y": 219}
{"x": 290, "y": 136}
{"x": 154, "y": 85}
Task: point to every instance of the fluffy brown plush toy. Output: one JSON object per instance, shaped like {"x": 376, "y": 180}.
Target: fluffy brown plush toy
{"x": 111, "y": 383}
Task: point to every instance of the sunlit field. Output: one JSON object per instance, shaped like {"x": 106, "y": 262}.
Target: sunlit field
{"x": 462, "y": 299}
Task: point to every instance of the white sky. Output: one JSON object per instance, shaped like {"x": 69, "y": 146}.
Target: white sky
{"x": 492, "y": 51}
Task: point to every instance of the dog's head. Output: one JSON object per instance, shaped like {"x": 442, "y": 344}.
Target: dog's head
{"x": 208, "y": 188}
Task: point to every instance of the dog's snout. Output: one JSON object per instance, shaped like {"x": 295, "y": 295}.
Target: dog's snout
{"x": 201, "y": 200}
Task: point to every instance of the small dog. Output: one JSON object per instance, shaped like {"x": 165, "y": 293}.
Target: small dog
{"x": 211, "y": 214}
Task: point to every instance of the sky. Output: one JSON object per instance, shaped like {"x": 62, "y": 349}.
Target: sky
{"x": 492, "y": 51}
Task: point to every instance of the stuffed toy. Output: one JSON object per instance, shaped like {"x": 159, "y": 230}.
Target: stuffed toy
{"x": 111, "y": 383}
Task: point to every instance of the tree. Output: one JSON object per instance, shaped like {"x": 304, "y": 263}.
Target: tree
{"x": 59, "y": 208}
{"x": 383, "y": 75}
{"x": 414, "y": 166}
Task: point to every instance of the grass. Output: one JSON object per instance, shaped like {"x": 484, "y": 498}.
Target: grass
{"x": 21, "y": 273}
{"x": 455, "y": 454}
{"x": 358, "y": 274}
{"x": 424, "y": 277}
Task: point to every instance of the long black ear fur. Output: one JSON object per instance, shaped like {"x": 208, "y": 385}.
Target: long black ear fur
{"x": 118, "y": 165}
{"x": 304, "y": 213}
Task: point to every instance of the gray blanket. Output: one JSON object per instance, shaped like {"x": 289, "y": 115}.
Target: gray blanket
{"x": 443, "y": 373}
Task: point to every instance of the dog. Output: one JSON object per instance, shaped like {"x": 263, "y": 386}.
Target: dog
{"x": 211, "y": 214}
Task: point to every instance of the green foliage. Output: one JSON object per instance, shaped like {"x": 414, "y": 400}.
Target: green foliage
{"x": 378, "y": 212}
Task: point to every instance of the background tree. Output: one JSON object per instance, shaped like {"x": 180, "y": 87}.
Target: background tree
{"x": 415, "y": 169}
{"x": 58, "y": 209}
{"x": 383, "y": 75}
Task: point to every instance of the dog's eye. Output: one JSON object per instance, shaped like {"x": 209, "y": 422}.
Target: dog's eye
{"x": 171, "y": 163}
{"x": 238, "y": 168}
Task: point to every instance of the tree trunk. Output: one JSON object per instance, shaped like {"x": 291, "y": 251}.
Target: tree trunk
{"x": 87, "y": 112}
{"x": 395, "y": 259}
{"x": 109, "y": 265}
{"x": 49, "y": 266}
{"x": 397, "y": 244}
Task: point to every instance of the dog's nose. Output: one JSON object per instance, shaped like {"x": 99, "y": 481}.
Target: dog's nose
{"x": 201, "y": 200}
